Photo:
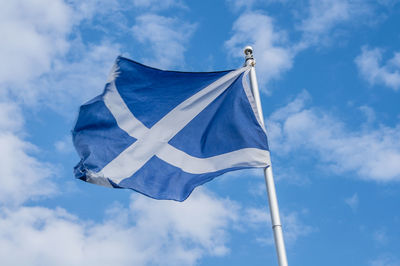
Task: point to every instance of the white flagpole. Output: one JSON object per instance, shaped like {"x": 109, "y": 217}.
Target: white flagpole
{"x": 269, "y": 178}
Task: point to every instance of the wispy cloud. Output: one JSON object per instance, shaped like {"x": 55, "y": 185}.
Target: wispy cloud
{"x": 158, "y": 4}
{"x": 372, "y": 153}
{"x": 380, "y": 236}
{"x": 322, "y": 21}
{"x": 385, "y": 260}
{"x": 243, "y": 5}
{"x": 64, "y": 145}
{"x": 165, "y": 36}
{"x": 247, "y": 5}
{"x": 376, "y": 72}
{"x": 74, "y": 80}
{"x": 352, "y": 201}
{"x": 323, "y": 16}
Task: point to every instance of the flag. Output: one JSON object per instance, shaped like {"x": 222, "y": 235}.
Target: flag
{"x": 163, "y": 133}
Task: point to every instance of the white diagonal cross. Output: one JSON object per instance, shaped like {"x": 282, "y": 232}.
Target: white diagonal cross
{"x": 154, "y": 141}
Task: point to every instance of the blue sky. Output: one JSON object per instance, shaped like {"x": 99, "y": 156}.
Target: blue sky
{"x": 329, "y": 72}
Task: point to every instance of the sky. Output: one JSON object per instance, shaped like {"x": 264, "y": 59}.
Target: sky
{"x": 329, "y": 75}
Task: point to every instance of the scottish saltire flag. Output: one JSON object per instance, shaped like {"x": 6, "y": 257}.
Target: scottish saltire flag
{"x": 163, "y": 133}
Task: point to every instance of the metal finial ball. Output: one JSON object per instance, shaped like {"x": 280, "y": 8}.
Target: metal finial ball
{"x": 248, "y": 50}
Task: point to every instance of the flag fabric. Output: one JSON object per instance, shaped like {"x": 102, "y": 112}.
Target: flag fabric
{"x": 163, "y": 133}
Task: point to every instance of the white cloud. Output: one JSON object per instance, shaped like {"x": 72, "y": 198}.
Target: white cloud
{"x": 149, "y": 232}
{"x": 22, "y": 176}
{"x": 167, "y": 38}
{"x": 41, "y": 64}
{"x": 33, "y": 32}
{"x": 352, "y": 201}
{"x": 201, "y": 217}
{"x": 371, "y": 68}
{"x": 318, "y": 21}
{"x": 273, "y": 55}
{"x": 373, "y": 153}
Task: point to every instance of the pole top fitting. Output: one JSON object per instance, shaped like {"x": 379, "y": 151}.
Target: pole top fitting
{"x": 248, "y": 51}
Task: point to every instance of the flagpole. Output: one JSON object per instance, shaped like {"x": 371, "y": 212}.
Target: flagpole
{"x": 269, "y": 178}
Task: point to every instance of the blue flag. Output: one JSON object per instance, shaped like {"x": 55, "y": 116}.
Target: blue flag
{"x": 163, "y": 133}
